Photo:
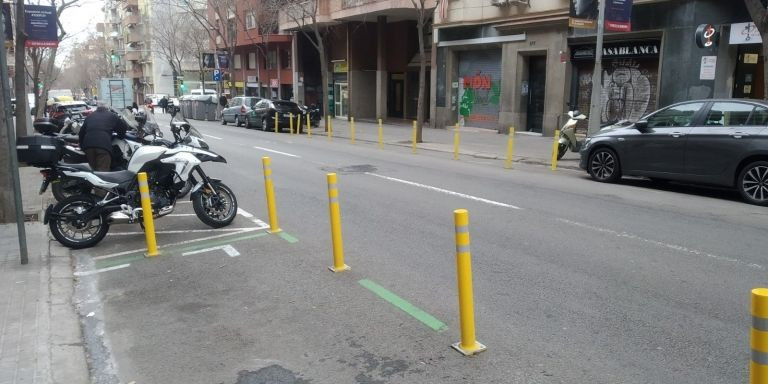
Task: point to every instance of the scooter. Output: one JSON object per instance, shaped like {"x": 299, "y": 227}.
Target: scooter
{"x": 567, "y": 138}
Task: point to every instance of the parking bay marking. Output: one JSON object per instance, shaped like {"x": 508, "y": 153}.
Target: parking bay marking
{"x": 415, "y": 312}
{"x": 241, "y": 212}
{"x": 447, "y": 192}
{"x": 213, "y": 137}
{"x": 277, "y": 152}
{"x": 228, "y": 249}
{"x": 95, "y": 271}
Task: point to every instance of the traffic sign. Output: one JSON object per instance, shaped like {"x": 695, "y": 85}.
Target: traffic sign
{"x": 216, "y": 75}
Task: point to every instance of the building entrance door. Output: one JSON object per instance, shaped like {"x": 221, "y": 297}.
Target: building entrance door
{"x": 396, "y": 95}
{"x": 537, "y": 77}
{"x": 341, "y": 97}
{"x": 748, "y": 76}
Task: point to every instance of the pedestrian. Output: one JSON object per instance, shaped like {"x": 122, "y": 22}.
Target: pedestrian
{"x": 223, "y": 102}
{"x": 163, "y": 103}
{"x": 135, "y": 107}
{"x": 96, "y": 137}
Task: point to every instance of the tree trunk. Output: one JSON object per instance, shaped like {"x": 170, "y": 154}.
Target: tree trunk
{"x": 422, "y": 81}
{"x": 48, "y": 78}
{"x": 20, "y": 81}
{"x": 323, "y": 74}
{"x": 7, "y": 206}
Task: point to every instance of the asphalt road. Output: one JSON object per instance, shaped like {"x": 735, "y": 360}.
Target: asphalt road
{"x": 574, "y": 281}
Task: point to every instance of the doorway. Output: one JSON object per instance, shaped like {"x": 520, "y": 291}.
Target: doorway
{"x": 341, "y": 97}
{"x": 396, "y": 92}
{"x": 537, "y": 78}
{"x": 748, "y": 76}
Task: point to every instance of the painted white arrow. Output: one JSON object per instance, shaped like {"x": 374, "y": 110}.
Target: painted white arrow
{"x": 230, "y": 250}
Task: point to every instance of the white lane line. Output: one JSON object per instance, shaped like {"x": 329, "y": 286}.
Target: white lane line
{"x": 230, "y": 250}
{"x": 213, "y": 137}
{"x": 179, "y": 231}
{"x": 111, "y": 255}
{"x": 95, "y": 271}
{"x": 184, "y": 202}
{"x": 181, "y": 214}
{"x": 250, "y": 216}
{"x": 661, "y": 244}
{"x": 447, "y": 192}
{"x": 278, "y": 152}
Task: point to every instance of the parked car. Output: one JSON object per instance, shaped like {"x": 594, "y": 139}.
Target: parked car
{"x": 58, "y": 112}
{"x": 263, "y": 115}
{"x": 721, "y": 142}
{"x": 238, "y": 109}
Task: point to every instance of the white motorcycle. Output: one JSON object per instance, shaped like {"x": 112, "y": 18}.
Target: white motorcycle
{"x": 567, "y": 138}
{"x": 82, "y": 221}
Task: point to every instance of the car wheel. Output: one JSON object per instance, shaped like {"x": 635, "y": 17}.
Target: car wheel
{"x": 248, "y": 123}
{"x": 223, "y": 121}
{"x": 237, "y": 121}
{"x": 604, "y": 166}
{"x": 264, "y": 124}
{"x": 753, "y": 183}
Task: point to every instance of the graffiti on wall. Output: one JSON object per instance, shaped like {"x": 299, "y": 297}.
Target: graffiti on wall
{"x": 626, "y": 91}
{"x": 478, "y": 91}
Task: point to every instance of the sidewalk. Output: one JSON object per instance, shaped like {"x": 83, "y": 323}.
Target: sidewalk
{"x": 480, "y": 143}
{"x": 40, "y": 336}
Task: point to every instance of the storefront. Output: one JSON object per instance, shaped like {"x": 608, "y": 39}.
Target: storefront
{"x": 749, "y": 73}
{"x": 479, "y": 81}
{"x": 630, "y": 78}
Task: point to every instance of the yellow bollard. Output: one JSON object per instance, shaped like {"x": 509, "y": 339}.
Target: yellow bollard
{"x": 338, "y": 245}
{"x": 413, "y": 137}
{"x": 468, "y": 345}
{"x": 554, "y": 150}
{"x": 290, "y": 122}
{"x": 758, "y": 338}
{"x": 276, "y": 122}
{"x": 270, "y": 190}
{"x": 146, "y": 212}
{"x": 309, "y": 127}
{"x": 330, "y": 128}
{"x": 456, "y": 142}
{"x": 298, "y": 124}
{"x": 510, "y": 147}
{"x": 352, "y": 130}
{"x": 381, "y": 135}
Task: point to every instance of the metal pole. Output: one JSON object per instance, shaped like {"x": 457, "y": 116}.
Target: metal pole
{"x": 595, "y": 110}
{"x": 13, "y": 163}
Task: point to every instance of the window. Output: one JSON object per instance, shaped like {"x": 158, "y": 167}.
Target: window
{"x": 728, "y": 114}
{"x": 677, "y": 116}
{"x": 759, "y": 116}
{"x": 261, "y": 104}
{"x": 252, "y": 60}
{"x": 271, "y": 62}
{"x": 285, "y": 59}
{"x": 238, "y": 64}
{"x": 237, "y": 101}
{"x": 250, "y": 20}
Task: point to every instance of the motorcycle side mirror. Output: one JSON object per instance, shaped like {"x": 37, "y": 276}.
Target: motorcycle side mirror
{"x": 641, "y": 125}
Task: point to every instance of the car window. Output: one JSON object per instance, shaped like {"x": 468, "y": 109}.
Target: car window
{"x": 252, "y": 101}
{"x": 728, "y": 114}
{"x": 261, "y": 104}
{"x": 676, "y": 116}
{"x": 288, "y": 104}
{"x": 759, "y": 116}
{"x": 237, "y": 101}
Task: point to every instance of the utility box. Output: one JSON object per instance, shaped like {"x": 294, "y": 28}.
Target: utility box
{"x": 116, "y": 92}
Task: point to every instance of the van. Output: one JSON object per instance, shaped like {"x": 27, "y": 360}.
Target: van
{"x": 200, "y": 92}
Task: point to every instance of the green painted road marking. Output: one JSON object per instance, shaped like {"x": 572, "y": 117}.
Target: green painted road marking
{"x": 138, "y": 255}
{"x": 288, "y": 237}
{"x": 397, "y": 301}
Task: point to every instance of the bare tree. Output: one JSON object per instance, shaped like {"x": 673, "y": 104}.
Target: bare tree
{"x": 86, "y": 64}
{"x": 304, "y": 14}
{"x": 20, "y": 80}
{"x": 424, "y": 18}
{"x": 265, "y": 18}
{"x": 172, "y": 28}
{"x": 759, "y": 13}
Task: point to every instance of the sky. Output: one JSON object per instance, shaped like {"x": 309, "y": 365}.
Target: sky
{"x": 79, "y": 22}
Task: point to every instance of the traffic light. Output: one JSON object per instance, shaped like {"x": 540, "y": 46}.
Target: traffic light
{"x": 113, "y": 56}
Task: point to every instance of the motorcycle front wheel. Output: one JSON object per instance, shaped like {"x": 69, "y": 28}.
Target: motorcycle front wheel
{"x": 215, "y": 208}
{"x": 70, "y": 230}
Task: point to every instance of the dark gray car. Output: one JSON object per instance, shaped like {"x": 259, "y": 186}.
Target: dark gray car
{"x": 716, "y": 142}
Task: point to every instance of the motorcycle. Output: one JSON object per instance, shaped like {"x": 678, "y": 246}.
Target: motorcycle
{"x": 568, "y": 138}
{"x": 82, "y": 221}
{"x": 314, "y": 113}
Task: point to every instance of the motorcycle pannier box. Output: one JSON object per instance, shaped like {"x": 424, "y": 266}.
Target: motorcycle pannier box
{"x": 39, "y": 150}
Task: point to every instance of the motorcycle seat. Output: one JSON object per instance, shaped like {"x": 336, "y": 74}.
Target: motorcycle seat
{"x": 80, "y": 167}
{"x": 117, "y": 177}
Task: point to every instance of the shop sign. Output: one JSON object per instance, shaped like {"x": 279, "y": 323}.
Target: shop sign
{"x": 273, "y": 83}
{"x": 252, "y": 79}
{"x": 707, "y": 36}
{"x": 583, "y": 14}
{"x": 708, "y": 68}
{"x": 40, "y": 26}
{"x": 744, "y": 33}
{"x": 239, "y": 84}
{"x": 618, "y": 15}
{"x": 616, "y": 50}
{"x": 340, "y": 66}
{"x": 252, "y": 85}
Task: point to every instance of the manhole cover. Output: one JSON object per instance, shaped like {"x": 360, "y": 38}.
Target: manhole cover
{"x": 351, "y": 169}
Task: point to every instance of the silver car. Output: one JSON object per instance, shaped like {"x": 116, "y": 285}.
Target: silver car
{"x": 717, "y": 142}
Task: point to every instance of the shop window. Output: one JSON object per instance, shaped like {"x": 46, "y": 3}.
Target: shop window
{"x": 238, "y": 63}
{"x": 252, "y": 60}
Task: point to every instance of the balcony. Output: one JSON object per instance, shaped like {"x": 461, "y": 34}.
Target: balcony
{"x": 131, "y": 3}
{"x": 131, "y": 19}
{"x": 134, "y": 37}
{"x": 133, "y": 56}
{"x": 355, "y": 3}
{"x": 135, "y": 73}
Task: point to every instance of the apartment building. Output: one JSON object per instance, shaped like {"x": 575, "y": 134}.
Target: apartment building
{"x": 516, "y": 63}
{"x": 372, "y": 49}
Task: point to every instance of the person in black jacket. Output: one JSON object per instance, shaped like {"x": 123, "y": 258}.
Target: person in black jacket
{"x": 96, "y": 137}
{"x": 163, "y": 103}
